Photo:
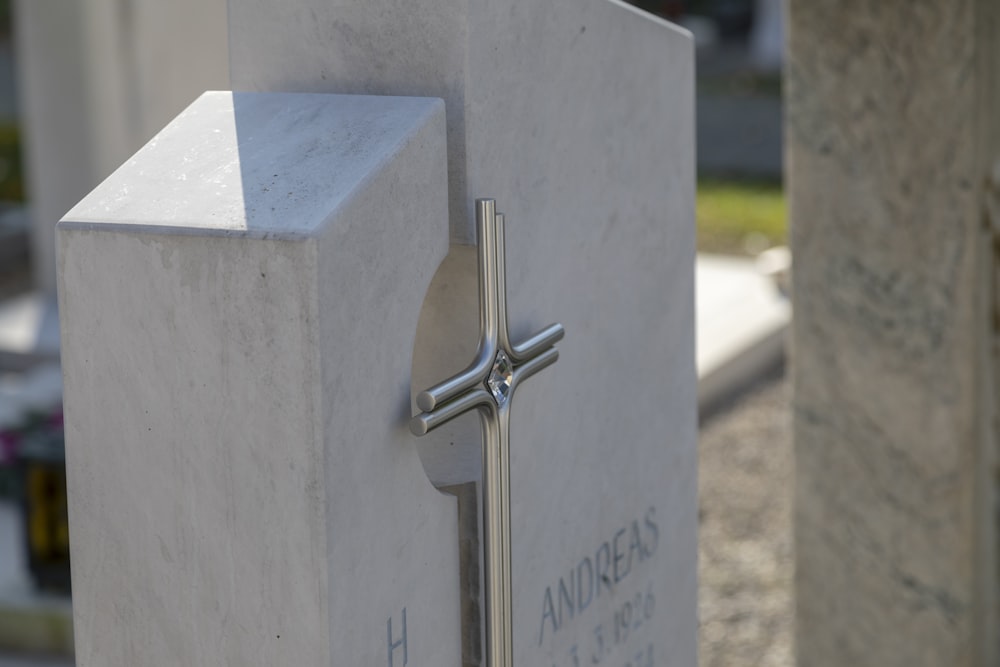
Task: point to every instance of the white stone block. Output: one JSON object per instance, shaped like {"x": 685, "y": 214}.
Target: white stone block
{"x": 238, "y": 305}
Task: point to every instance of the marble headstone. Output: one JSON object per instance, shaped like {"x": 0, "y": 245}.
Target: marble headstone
{"x": 577, "y": 116}
{"x": 275, "y": 449}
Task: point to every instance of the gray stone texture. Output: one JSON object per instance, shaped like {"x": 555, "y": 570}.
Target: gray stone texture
{"x": 892, "y": 128}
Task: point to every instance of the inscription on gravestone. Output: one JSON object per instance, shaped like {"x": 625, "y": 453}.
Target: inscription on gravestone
{"x": 603, "y": 573}
{"x": 395, "y": 644}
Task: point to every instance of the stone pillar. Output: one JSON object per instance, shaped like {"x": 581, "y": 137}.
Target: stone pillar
{"x": 893, "y": 125}
{"x": 97, "y": 79}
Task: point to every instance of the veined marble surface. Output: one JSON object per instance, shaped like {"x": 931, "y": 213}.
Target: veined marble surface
{"x": 892, "y": 112}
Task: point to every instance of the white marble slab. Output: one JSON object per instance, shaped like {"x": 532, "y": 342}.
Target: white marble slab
{"x": 577, "y": 116}
{"x": 238, "y": 306}
{"x": 742, "y": 320}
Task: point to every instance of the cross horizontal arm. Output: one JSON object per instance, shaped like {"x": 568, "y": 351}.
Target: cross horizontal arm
{"x": 428, "y": 421}
{"x": 533, "y": 345}
{"x": 440, "y": 393}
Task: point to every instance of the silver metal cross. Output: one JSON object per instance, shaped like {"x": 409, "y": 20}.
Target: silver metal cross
{"x": 488, "y": 385}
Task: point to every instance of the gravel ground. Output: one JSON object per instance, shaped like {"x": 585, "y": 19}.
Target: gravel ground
{"x": 745, "y": 545}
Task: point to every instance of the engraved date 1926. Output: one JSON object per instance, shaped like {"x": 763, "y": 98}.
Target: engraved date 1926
{"x": 608, "y": 637}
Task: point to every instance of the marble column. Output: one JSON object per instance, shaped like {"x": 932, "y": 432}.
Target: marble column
{"x": 893, "y": 133}
{"x": 97, "y": 79}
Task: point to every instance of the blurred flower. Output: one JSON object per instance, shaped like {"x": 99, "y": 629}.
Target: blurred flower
{"x": 13, "y": 437}
{"x": 9, "y": 441}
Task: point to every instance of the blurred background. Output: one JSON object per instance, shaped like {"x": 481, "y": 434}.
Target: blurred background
{"x": 77, "y": 97}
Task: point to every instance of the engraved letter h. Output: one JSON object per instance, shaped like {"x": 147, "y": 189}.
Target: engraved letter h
{"x": 393, "y": 645}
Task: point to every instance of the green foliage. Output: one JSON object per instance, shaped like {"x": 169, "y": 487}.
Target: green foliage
{"x": 5, "y": 18}
{"x": 740, "y": 217}
{"x": 741, "y": 84}
{"x": 11, "y": 174}
{"x": 11, "y": 170}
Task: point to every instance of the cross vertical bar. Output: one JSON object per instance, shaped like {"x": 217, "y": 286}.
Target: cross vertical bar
{"x": 480, "y": 386}
{"x": 496, "y": 537}
{"x": 504, "y": 553}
